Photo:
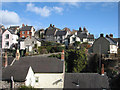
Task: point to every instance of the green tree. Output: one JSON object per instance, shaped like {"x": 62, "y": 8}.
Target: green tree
{"x": 76, "y": 60}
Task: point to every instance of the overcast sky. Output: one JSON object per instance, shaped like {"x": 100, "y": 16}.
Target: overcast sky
{"x": 97, "y": 17}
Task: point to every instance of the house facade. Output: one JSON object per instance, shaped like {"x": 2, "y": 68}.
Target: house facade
{"x": 105, "y": 45}
{"x": 85, "y": 36}
{"x": 50, "y": 33}
{"x": 29, "y": 43}
{"x": 8, "y": 38}
{"x": 26, "y": 31}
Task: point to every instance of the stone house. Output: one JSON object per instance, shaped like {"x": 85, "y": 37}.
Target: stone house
{"x": 29, "y": 43}
{"x": 105, "y": 45}
{"x": 50, "y": 33}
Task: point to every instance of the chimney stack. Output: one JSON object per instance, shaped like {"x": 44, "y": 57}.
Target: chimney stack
{"x": 102, "y": 70}
{"x": 30, "y": 34}
{"x": 6, "y": 61}
{"x": 23, "y": 25}
{"x": 107, "y": 35}
{"x": 62, "y": 55}
{"x": 101, "y": 35}
{"x": 111, "y": 35}
{"x": 80, "y": 29}
{"x": 50, "y": 25}
{"x": 17, "y": 55}
{"x": 53, "y": 26}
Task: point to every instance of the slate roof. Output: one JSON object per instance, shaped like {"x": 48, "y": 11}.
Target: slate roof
{"x": 14, "y": 26}
{"x": 3, "y": 30}
{"x": 41, "y": 64}
{"x": 82, "y": 35}
{"x": 85, "y": 80}
{"x": 26, "y": 28}
{"x": 60, "y": 33}
{"x": 18, "y": 72}
{"x": 50, "y": 31}
{"x": 113, "y": 42}
{"x": 11, "y": 31}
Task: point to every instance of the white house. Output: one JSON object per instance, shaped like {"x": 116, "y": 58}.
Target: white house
{"x": 72, "y": 39}
{"x": 8, "y": 38}
{"x": 30, "y": 42}
{"x": 35, "y": 71}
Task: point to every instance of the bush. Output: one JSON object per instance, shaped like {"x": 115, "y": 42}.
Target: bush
{"x": 23, "y": 87}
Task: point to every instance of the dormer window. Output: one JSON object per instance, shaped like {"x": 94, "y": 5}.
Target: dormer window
{"x": 7, "y": 36}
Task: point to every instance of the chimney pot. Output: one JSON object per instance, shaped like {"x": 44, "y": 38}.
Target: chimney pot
{"x": 111, "y": 35}
{"x": 102, "y": 70}
{"x": 17, "y": 55}
{"x": 23, "y": 25}
{"x": 62, "y": 55}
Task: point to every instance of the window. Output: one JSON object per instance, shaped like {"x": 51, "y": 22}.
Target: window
{"x": 73, "y": 39}
{"x": 7, "y": 43}
{"x": 7, "y": 36}
{"x": 36, "y": 79}
{"x": 27, "y": 32}
{"x": 23, "y": 36}
{"x": 23, "y": 32}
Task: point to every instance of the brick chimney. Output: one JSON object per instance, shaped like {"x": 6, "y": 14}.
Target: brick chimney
{"x": 23, "y": 25}
{"x": 30, "y": 34}
{"x": 6, "y": 61}
{"x": 62, "y": 55}
{"x": 111, "y": 35}
{"x": 17, "y": 55}
{"x": 63, "y": 59}
{"x": 102, "y": 70}
{"x": 101, "y": 35}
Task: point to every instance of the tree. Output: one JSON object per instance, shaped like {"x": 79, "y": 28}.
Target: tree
{"x": 76, "y": 60}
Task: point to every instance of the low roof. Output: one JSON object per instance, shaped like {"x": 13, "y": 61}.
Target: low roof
{"x": 85, "y": 80}
{"x": 39, "y": 65}
{"x": 19, "y": 73}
